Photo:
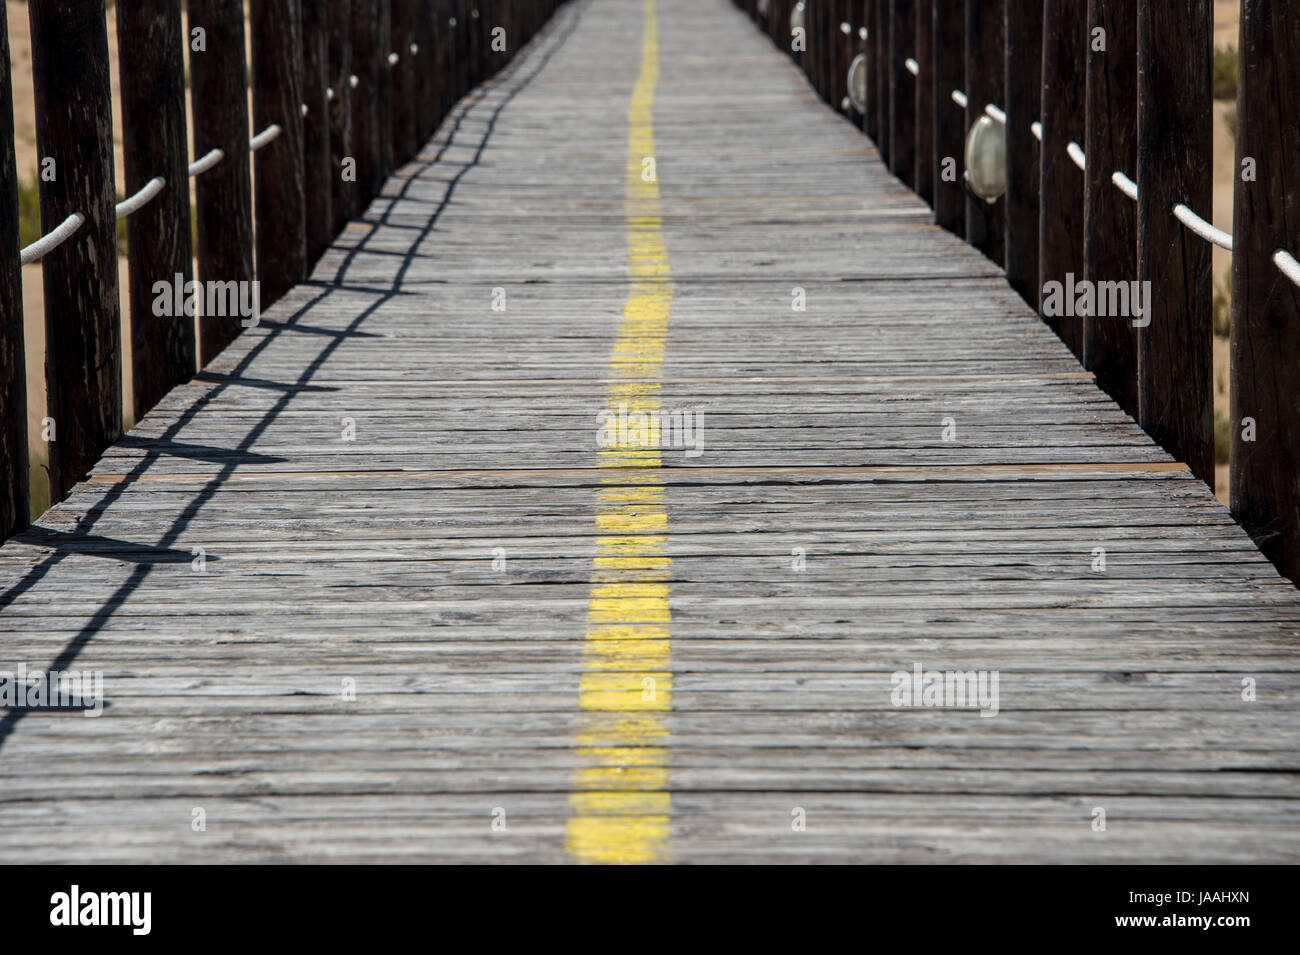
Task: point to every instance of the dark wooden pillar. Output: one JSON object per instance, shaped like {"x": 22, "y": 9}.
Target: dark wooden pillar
{"x": 155, "y": 142}
{"x": 1060, "y": 220}
{"x": 1265, "y": 472}
{"x": 223, "y": 195}
{"x": 949, "y": 70}
{"x": 74, "y": 130}
{"x": 1174, "y": 141}
{"x": 902, "y": 91}
{"x": 280, "y": 201}
{"x": 318, "y": 169}
{"x": 923, "y": 115}
{"x": 1024, "y": 67}
{"x": 343, "y": 193}
{"x": 985, "y": 226}
{"x": 1109, "y": 216}
{"x": 13, "y": 373}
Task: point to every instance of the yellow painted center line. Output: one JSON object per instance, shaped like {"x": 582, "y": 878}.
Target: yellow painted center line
{"x": 619, "y": 808}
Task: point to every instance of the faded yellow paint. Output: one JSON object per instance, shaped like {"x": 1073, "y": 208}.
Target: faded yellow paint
{"x": 620, "y": 807}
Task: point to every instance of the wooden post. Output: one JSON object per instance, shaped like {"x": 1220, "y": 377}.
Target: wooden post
{"x": 343, "y": 193}
{"x": 427, "y": 81}
{"x": 280, "y": 201}
{"x": 949, "y": 71}
{"x": 384, "y": 113}
{"x": 1265, "y": 471}
{"x": 1109, "y": 216}
{"x": 224, "y": 194}
{"x": 879, "y": 39}
{"x": 924, "y": 103}
{"x": 401, "y": 36}
{"x": 155, "y": 142}
{"x": 74, "y": 131}
{"x": 868, "y": 49}
{"x": 1023, "y": 75}
{"x": 985, "y": 225}
{"x": 318, "y": 172}
{"x": 1060, "y": 219}
{"x": 13, "y": 373}
{"x": 1174, "y": 141}
{"x": 902, "y": 91}
{"x": 366, "y": 53}
{"x": 454, "y": 68}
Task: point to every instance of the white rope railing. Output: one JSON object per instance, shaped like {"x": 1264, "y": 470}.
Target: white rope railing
{"x": 1286, "y": 263}
{"x": 265, "y": 137}
{"x": 1076, "y": 154}
{"x": 206, "y": 161}
{"x": 1124, "y": 184}
{"x": 141, "y": 198}
{"x": 51, "y": 240}
{"x": 1202, "y": 228}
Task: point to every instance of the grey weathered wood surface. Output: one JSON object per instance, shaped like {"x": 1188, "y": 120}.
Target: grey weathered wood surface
{"x": 372, "y": 559}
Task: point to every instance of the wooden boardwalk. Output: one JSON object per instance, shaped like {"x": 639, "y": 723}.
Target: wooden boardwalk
{"x": 563, "y": 652}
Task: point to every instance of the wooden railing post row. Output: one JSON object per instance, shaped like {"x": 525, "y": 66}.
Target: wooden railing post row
{"x": 923, "y": 104}
{"x": 985, "y": 24}
{"x": 902, "y": 91}
{"x": 155, "y": 142}
{"x": 1060, "y": 209}
{"x": 949, "y": 71}
{"x": 1023, "y": 106}
{"x": 14, "y": 499}
{"x": 343, "y": 193}
{"x": 279, "y": 202}
{"x": 1174, "y": 143}
{"x": 223, "y": 196}
{"x": 1109, "y": 216}
{"x": 74, "y": 131}
{"x": 318, "y": 167}
{"x": 1265, "y": 386}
